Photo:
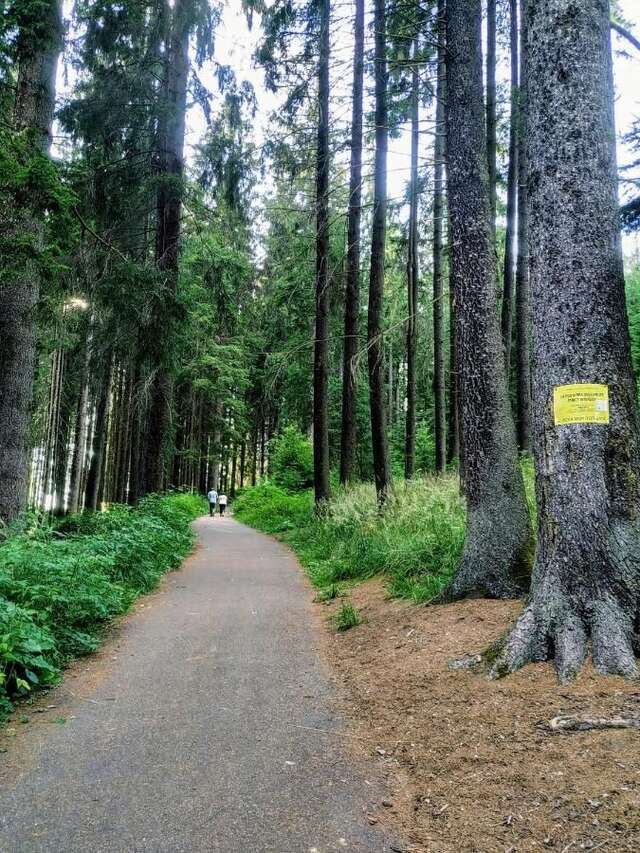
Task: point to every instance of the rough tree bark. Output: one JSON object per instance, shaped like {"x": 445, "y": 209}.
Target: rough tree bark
{"x": 413, "y": 277}
{"x": 508, "y": 290}
{"x": 586, "y": 580}
{"x": 169, "y": 211}
{"x": 439, "y": 402}
{"x": 321, "y": 343}
{"x": 523, "y": 344}
{"x": 38, "y": 46}
{"x": 497, "y": 548}
{"x": 348, "y": 437}
{"x": 381, "y": 468}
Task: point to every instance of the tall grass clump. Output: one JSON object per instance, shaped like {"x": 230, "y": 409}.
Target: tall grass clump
{"x": 416, "y": 542}
{"x": 60, "y": 583}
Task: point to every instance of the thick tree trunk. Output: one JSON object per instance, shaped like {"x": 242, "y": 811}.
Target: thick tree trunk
{"x": 439, "y": 403}
{"x": 453, "y": 444}
{"x": 492, "y": 145}
{"x": 508, "y": 290}
{"x": 413, "y": 277}
{"x": 169, "y": 210}
{"x": 38, "y": 47}
{"x": 348, "y": 438}
{"x": 381, "y": 469}
{"x": 321, "y": 345}
{"x": 586, "y": 582}
{"x": 496, "y": 557}
{"x": 523, "y": 344}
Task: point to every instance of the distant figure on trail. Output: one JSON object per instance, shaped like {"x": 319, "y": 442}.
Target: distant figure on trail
{"x": 212, "y": 497}
{"x": 222, "y": 503}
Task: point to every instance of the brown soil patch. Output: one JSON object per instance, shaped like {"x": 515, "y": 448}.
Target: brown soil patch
{"x": 472, "y": 763}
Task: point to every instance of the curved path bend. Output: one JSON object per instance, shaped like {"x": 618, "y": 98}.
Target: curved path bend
{"x": 192, "y": 731}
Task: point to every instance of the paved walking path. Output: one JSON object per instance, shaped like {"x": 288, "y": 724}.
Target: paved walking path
{"x": 192, "y": 731}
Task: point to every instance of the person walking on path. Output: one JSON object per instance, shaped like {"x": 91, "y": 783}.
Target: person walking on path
{"x": 222, "y": 503}
{"x": 212, "y": 497}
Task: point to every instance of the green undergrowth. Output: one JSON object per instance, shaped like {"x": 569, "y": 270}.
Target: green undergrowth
{"x": 60, "y": 583}
{"x": 415, "y": 543}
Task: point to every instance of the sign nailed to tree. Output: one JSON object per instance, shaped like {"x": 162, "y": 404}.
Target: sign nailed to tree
{"x": 581, "y": 404}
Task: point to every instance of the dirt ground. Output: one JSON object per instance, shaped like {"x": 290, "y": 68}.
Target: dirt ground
{"x": 472, "y": 763}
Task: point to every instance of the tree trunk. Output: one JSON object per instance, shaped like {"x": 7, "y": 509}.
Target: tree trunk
{"x": 523, "y": 344}
{"x": 169, "y": 209}
{"x": 81, "y": 426}
{"x": 94, "y": 476}
{"x": 453, "y": 446}
{"x": 243, "y": 461}
{"x": 492, "y": 144}
{"x": 496, "y": 554}
{"x": 586, "y": 582}
{"x": 348, "y": 438}
{"x": 413, "y": 274}
{"x": 321, "y": 345}
{"x": 439, "y": 405}
{"x": 508, "y": 291}
{"x": 382, "y": 473}
{"x": 38, "y": 47}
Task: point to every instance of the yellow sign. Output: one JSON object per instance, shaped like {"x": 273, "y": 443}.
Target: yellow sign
{"x": 581, "y": 404}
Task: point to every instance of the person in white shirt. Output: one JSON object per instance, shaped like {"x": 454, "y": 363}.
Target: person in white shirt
{"x": 212, "y": 497}
{"x": 222, "y": 503}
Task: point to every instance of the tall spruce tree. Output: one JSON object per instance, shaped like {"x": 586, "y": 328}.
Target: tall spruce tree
{"x": 586, "y": 581}
{"x": 321, "y": 343}
{"x": 377, "y": 401}
{"x": 496, "y": 556}
{"x": 349, "y": 426}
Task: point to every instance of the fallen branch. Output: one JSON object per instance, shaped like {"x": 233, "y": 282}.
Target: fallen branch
{"x": 585, "y": 724}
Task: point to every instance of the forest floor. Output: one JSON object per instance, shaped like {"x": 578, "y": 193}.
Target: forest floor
{"x": 473, "y": 763}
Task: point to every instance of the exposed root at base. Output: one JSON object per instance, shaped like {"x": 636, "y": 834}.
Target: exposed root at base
{"x": 553, "y": 629}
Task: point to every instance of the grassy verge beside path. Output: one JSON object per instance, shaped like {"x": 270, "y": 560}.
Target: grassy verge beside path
{"x": 60, "y": 584}
{"x": 416, "y": 543}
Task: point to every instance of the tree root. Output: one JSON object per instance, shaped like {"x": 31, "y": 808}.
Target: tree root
{"x": 586, "y": 724}
{"x": 552, "y": 626}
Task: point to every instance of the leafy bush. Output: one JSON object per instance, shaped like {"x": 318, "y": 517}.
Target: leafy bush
{"x": 60, "y": 585}
{"x": 272, "y": 509}
{"x": 291, "y": 460}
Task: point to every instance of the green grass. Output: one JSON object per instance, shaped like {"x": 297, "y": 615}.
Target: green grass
{"x": 347, "y": 617}
{"x": 60, "y": 584}
{"x": 416, "y": 543}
